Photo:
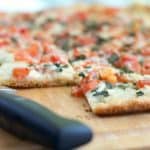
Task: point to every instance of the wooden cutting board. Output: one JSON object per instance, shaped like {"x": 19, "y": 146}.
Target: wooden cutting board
{"x": 116, "y": 132}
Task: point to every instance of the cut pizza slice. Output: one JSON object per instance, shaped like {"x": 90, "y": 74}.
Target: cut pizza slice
{"x": 27, "y": 68}
{"x": 109, "y": 92}
{"x": 119, "y": 98}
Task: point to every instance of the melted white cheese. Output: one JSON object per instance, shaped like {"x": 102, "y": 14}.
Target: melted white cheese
{"x": 66, "y": 74}
{"x": 117, "y": 95}
{"x": 35, "y": 75}
{"x": 6, "y": 57}
{"x": 7, "y": 68}
{"x": 134, "y": 77}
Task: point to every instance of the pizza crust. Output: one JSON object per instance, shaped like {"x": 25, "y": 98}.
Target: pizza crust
{"x": 129, "y": 107}
{"x": 35, "y": 83}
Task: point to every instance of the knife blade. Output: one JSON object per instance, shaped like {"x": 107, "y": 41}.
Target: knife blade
{"x": 31, "y": 121}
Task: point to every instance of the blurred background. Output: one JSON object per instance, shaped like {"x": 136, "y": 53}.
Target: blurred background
{"x": 36, "y": 5}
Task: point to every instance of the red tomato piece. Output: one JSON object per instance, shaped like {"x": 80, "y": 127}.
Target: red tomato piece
{"x": 129, "y": 61}
{"x": 33, "y": 49}
{"x": 111, "y": 11}
{"x": 77, "y": 91}
{"x": 22, "y": 55}
{"x": 84, "y": 40}
{"x": 142, "y": 83}
{"x": 146, "y": 51}
{"x": 88, "y": 85}
{"x": 20, "y": 73}
{"x": 81, "y": 15}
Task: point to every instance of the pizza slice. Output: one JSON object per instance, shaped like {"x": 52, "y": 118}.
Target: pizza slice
{"x": 109, "y": 92}
{"x": 35, "y": 68}
{"x": 107, "y": 99}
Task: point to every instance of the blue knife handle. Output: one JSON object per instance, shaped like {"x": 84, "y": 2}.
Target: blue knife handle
{"x": 31, "y": 121}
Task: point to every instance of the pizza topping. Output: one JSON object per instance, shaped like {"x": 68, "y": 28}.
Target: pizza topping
{"x": 108, "y": 74}
{"x": 81, "y": 74}
{"x": 33, "y": 50}
{"x": 139, "y": 93}
{"x": 53, "y": 67}
{"x": 143, "y": 83}
{"x": 60, "y": 67}
{"x": 20, "y": 73}
{"x": 22, "y": 55}
{"x": 113, "y": 58}
{"x": 103, "y": 93}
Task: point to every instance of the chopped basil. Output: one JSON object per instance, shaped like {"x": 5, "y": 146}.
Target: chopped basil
{"x": 101, "y": 40}
{"x": 66, "y": 45}
{"x": 46, "y": 65}
{"x": 113, "y": 58}
{"x": 126, "y": 70}
{"x": 103, "y": 93}
{"x": 14, "y": 39}
{"x": 109, "y": 85}
{"x": 123, "y": 86}
{"x": 81, "y": 57}
{"x": 91, "y": 25}
{"x": 95, "y": 48}
{"x": 139, "y": 93}
{"x": 81, "y": 74}
{"x": 132, "y": 34}
{"x": 60, "y": 67}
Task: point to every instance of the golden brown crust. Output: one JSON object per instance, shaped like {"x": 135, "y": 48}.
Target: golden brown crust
{"x": 129, "y": 107}
{"x": 35, "y": 83}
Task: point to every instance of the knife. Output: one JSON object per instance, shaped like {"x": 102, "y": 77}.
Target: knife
{"x": 33, "y": 122}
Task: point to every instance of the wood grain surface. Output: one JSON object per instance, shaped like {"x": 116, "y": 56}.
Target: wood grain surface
{"x": 115, "y": 132}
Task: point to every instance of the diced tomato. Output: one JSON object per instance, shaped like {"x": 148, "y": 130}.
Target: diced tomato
{"x": 142, "y": 83}
{"x": 84, "y": 40}
{"x": 146, "y": 51}
{"x": 52, "y": 58}
{"x": 20, "y": 73}
{"x": 4, "y": 42}
{"x": 33, "y": 49}
{"x": 55, "y": 58}
{"x": 22, "y": 55}
{"x": 77, "y": 91}
{"x": 76, "y": 52}
{"x": 111, "y": 11}
{"x": 88, "y": 85}
{"x": 129, "y": 61}
{"x": 146, "y": 67}
{"x": 81, "y": 15}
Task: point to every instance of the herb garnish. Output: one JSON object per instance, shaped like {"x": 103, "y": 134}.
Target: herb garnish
{"x": 126, "y": 70}
{"x": 81, "y": 57}
{"x": 91, "y": 25}
{"x": 113, "y": 58}
{"x": 139, "y": 93}
{"x": 60, "y": 67}
{"x": 95, "y": 48}
{"x": 108, "y": 85}
{"x": 103, "y": 93}
{"x": 101, "y": 40}
{"x": 123, "y": 86}
{"x": 81, "y": 74}
{"x": 66, "y": 45}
